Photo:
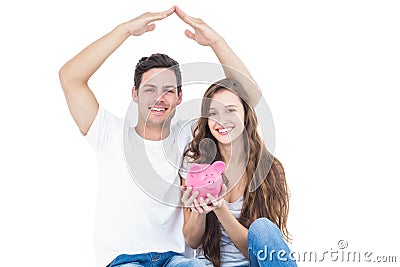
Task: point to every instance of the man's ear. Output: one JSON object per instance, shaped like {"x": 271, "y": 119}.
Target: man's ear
{"x": 134, "y": 94}
{"x": 179, "y": 97}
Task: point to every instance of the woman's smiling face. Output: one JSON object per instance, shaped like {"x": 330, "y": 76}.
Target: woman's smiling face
{"x": 226, "y": 117}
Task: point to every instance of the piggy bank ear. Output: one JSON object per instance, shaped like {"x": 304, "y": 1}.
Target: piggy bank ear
{"x": 219, "y": 166}
{"x": 195, "y": 168}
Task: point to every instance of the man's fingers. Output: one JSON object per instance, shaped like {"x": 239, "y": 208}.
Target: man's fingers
{"x": 166, "y": 13}
{"x": 160, "y": 15}
{"x": 150, "y": 27}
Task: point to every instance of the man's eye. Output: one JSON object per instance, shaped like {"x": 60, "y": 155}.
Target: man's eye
{"x": 149, "y": 90}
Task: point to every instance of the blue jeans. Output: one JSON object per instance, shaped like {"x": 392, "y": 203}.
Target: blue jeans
{"x": 267, "y": 246}
{"x": 154, "y": 259}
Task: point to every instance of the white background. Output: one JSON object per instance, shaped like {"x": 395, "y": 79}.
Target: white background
{"x": 329, "y": 71}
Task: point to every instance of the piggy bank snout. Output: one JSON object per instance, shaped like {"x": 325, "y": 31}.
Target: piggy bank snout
{"x": 210, "y": 178}
{"x": 212, "y": 181}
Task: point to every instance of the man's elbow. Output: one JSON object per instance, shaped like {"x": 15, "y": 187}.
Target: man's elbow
{"x": 64, "y": 75}
{"x": 68, "y": 78}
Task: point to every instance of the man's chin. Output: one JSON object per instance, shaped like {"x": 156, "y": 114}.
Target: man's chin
{"x": 158, "y": 123}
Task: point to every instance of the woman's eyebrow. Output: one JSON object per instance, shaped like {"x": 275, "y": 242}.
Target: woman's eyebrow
{"x": 228, "y": 106}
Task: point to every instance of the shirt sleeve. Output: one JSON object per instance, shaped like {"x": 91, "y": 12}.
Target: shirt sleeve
{"x": 101, "y": 128}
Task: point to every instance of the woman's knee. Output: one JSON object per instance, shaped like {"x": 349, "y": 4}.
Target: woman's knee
{"x": 262, "y": 227}
{"x": 195, "y": 263}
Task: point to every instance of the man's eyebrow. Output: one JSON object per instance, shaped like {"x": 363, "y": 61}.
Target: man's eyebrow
{"x": 149, "y": 85}
{"x": 164, "y": 86}
{"x": 169, "y": 86}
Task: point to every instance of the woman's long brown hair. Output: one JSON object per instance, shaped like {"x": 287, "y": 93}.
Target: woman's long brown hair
{"x": 266, "y": 193}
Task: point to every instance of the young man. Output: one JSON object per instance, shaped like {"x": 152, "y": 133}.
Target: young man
{"x": 131, "y": 225}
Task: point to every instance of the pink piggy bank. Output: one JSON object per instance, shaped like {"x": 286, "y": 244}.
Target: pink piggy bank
{"x": 206, "y": 178}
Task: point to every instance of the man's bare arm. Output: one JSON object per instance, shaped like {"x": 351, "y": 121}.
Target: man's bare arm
{"x": 75, "y": 74}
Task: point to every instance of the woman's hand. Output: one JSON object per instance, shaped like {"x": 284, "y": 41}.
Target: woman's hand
{"x": 204, "y": 206}
{"x": 190, "y": 200}
{"x": 203, "y": 34}
{"x": 187, "y": 197}
{"x": 217, "y": 203}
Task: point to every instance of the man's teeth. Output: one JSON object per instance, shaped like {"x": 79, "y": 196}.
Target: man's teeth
{"x": 225, "y": 130}
{"x": 157, "y": 109}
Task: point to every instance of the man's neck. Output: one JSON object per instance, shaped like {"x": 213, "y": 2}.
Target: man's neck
{"x": 152, "y": 133}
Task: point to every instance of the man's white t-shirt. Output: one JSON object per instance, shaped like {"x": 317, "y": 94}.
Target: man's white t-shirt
{"x": 136, "y": 214}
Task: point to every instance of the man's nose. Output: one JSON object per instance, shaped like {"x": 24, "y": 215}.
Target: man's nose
{"x": 160, "y": 96}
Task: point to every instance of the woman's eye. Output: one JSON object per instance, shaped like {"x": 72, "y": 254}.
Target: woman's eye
{"x": 212, "y": 114}
{"x": 231, "y": 110}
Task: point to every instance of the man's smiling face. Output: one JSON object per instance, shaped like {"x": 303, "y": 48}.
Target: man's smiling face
{"x": 157, "y": 98}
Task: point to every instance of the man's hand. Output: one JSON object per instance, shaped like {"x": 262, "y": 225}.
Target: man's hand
{"x": 145, "y": 22}
{"x": 203, "y": 34}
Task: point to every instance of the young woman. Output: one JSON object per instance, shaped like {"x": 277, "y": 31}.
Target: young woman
{"x": 246, "y": 225}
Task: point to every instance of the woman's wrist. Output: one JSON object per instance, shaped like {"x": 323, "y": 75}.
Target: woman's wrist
{"x": 219, "y": 44}
{"x": 196, "y": 214}
{"x": 221, "y": 209}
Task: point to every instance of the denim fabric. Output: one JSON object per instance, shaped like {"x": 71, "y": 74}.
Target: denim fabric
{"x": 267, "y": 246}
{"x": 154, "y": 259}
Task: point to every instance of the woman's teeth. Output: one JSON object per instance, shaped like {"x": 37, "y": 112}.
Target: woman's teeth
{"x": 225, "y": 130}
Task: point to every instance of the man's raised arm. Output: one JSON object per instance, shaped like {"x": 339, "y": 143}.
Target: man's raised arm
{"x": 74, "y": 75}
